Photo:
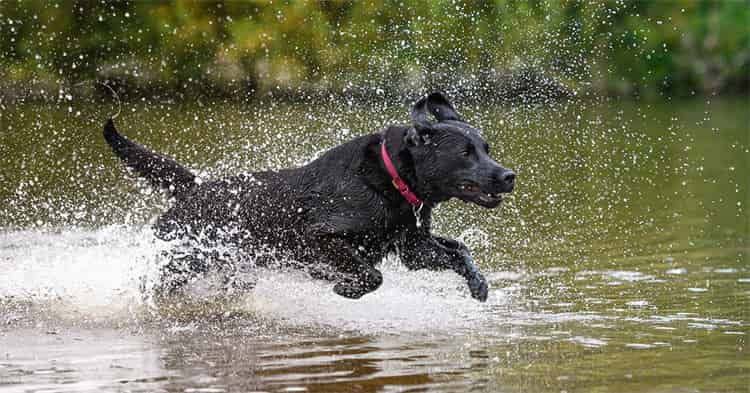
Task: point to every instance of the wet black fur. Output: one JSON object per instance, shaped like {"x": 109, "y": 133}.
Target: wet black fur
{"x": 338, "y": 216}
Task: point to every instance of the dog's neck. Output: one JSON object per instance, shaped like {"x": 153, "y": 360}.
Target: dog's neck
{"x": 402, "y": 160}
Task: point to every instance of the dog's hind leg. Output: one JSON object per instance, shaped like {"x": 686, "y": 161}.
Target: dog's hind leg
{"x": 181, "y": 267}
{"x": 362, "y": 281}
{"x": 357, "y": 276}
{"x": 185, "y": 265}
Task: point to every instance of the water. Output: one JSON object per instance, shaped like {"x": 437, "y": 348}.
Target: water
{"x": 620, "y": 264}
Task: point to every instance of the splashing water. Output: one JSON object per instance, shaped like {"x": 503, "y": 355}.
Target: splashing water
{"x": 619, "y": 264}
{"x": 598, "y": 259}
{"x": 77, "y": 273}
{"x": 105, "y": 275}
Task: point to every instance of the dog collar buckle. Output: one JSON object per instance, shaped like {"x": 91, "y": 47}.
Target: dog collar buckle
{"x": 396, "y": 185}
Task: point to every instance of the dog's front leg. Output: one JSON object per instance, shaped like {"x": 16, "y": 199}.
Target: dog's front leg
{"x": 425, "y": 251}
{"x": 466, "y": 267}
{"x": 357, "y": 277}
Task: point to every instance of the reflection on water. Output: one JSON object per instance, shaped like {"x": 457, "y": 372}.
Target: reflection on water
{"x": 620, "y": 264}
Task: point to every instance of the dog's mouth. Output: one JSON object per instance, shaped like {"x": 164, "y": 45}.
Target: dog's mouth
{"x": 471, "y": 192}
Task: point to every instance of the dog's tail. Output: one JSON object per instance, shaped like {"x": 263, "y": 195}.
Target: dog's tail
{"x": 160, "y": 171}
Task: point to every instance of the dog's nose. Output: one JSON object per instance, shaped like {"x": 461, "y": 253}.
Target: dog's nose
{"x": 508, "y": 179}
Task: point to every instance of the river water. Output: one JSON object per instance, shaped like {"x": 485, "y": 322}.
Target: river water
{"x": 620, "y": 263}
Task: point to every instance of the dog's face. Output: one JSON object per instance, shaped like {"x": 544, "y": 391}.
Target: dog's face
{"x": 453, "y": 158}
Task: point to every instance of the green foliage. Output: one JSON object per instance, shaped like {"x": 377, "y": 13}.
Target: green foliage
{"x": 624, "y": 47}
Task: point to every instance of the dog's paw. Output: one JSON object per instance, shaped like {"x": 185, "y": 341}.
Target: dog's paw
{"x": 357, "y": 286}
{"x": 348, "y": 290}
{"x": 478, "y": 287}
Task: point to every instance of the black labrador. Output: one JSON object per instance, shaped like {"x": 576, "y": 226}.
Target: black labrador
{"x": 338, "y": 216}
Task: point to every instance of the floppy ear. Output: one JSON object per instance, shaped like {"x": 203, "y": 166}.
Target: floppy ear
{"x": 441, "y": 107}
{"x": 421, "y": 126}
{"x": 417, "y": 135}
{"x": 419, "y": 113}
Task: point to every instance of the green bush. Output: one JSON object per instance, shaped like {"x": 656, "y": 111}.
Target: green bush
{"x": 296, "y": 47}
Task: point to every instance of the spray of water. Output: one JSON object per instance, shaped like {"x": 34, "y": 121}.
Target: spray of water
{"x": 104, "y": 276}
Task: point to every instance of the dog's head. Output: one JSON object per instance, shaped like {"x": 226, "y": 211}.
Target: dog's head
{"x": 452, "y": 157}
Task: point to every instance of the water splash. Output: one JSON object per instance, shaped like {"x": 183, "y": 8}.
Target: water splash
{"x": 76, "y": 274}
{"x": 105, "y": 276}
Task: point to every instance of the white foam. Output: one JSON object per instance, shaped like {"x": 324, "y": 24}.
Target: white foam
{"x": 98, "y": 274}
{"x": 409, "y": 300}
{"x": 93, "y": 272}
{"x": 588, "y": 341}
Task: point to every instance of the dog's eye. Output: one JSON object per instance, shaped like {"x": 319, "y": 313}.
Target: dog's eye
{"x": 467, "y": 151}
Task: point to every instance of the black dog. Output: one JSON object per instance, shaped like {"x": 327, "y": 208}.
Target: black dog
{"x": 339, "y": 215}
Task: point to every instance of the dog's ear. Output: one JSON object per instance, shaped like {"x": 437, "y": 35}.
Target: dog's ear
{"x": 441, "y": 107}
{"x": 416, "y": 136}
{"x": 419, "y": 113}
{"x": 419, "y": 132}
{"x": 438, "y": 105}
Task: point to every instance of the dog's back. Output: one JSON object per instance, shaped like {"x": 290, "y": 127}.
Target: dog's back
{"x": 270, "y": 208}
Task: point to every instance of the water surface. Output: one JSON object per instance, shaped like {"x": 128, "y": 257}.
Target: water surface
{"x": 620, "y": 263}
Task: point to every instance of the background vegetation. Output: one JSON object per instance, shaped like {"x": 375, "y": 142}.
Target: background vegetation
{"x": 298, "y": 48}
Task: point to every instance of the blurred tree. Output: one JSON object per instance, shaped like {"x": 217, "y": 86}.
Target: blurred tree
{"x": 192, "y": 47}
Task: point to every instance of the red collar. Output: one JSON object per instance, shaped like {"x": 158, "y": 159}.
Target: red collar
{"x": 397, "y": 182}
